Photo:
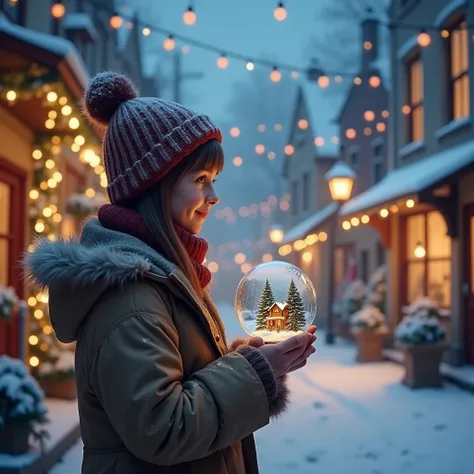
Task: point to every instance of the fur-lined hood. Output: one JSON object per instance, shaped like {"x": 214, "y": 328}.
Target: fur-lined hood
{"x": 77, "y": 272}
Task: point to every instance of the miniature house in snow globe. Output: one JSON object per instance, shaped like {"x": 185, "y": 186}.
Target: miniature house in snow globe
{"x": 275, "y": 301}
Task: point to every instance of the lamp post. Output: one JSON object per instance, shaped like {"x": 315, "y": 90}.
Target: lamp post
{"x": 340, "y": 179}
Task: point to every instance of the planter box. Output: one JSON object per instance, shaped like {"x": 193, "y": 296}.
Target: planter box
{"x": 14, "y": 438}
{"x": 422, "y": 364}
{"x": 369, "y": 345}
{"x": 64, "y": 389}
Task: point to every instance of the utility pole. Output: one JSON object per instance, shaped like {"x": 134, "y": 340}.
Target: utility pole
{"x": 179, "y": 76}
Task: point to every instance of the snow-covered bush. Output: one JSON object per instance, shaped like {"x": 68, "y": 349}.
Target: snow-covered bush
{"x": 62, "y": 368}
{"x": 8, "y": 302}
{"x": 79, "y": 204}
{"x": 352, "y": 299}
{"x": 377, "y": 288}
{"x": 21, "y": 398}
{"x": 369, "y": 318}
{"x": 421, "y": 324}
{"x": 247, "y": 315}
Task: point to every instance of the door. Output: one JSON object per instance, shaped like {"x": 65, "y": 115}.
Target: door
{"x": 12, "y": 220}
{"x": 468, "y": 286}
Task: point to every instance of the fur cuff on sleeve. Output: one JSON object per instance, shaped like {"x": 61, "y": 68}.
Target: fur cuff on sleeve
{"x": 238, "y": 341}
{"x": 280, "y": 404}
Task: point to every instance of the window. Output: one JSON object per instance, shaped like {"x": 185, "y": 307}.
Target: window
{"x": 457, "y": 49}
{"x": 378, "y": 165}
{"x": 364, "y": 265}
{"x": 428, "y": 258}
{"x": 415, "y": 110}
{"x": 353, "y": 156}
{"x": 306, "y": 191}
{"x": 16, "y": 12}
{"x": 294, "y": 198}
{"x": 380, "y": 254}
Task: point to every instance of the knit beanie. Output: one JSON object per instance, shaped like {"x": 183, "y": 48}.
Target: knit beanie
{"x": 145, "y": 136}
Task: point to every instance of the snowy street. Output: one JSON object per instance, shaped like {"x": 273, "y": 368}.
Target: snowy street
{"x": 352, "y": 418}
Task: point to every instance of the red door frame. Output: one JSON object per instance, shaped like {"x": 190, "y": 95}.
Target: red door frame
{"x": 15, "y": 177}
{"x": 468, "y": 294}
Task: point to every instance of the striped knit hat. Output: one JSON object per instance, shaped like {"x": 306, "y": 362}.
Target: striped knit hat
{"x": 145, "y": 137}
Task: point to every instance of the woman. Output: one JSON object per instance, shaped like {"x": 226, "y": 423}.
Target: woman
{"x": 159, "y": 390}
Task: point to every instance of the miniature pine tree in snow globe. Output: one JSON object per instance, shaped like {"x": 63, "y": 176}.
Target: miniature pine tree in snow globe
{"x": 275, "y": 301}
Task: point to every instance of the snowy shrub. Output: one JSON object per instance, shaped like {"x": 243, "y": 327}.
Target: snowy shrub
{"x": 61, "y": 368}
{"x": 79, "y": 204}
{"x": 421, "y": 324}
{"x": 8, "y": 302}
{"x": 352, "y": 299}
{"x": 247, "y": 315}
{"x": 377, "y": 288}
{"x": 21, "y": 398}
{"x": 369, "y": 318}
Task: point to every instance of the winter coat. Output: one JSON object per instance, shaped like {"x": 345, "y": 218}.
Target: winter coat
{"x": 159, "y": 391}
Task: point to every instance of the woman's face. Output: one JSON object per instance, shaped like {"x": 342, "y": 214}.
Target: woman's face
{"x": 192, "y": 199}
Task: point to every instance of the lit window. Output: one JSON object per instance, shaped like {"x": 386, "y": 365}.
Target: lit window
{"x": 458, "y": 80}
{"x": 415, "y": 117}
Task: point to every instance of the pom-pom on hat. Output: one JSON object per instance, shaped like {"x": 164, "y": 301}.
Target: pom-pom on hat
{"x": 145, "y": 137}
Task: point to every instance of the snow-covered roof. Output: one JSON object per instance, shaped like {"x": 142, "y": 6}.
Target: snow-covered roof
{"x": 321, "y": 106}
{"x": 301, "y": 229}
{"x": 56, "y": 45}
{"x": 282, "y": 306}
{"x": 80, "y": 21}
{"x": 413, "y": 178}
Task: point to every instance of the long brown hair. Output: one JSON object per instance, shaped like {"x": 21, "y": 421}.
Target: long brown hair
{"x": 155, "y": 207}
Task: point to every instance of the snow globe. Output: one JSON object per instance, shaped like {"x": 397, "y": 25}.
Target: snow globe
{"x": 275, "y": 301}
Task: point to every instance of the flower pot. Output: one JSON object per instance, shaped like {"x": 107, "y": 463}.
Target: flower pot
{"x": 422, "y": 364}
{"x": 64, "y": 389}
{"x": 14, "y": 437}
{"x": 369, "y": 345}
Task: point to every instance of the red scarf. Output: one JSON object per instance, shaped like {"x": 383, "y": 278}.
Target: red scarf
{"x": 131, "y": 222}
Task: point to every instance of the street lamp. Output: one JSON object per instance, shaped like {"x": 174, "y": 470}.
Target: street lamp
{"x": 340, "y": 179}
{"x": 276, "y": 233}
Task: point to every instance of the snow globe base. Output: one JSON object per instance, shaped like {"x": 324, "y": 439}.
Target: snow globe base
{"x": 275, "y": 301}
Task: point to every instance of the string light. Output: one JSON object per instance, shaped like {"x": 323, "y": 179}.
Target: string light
{"x": 280, "y": 12}
{"x": 58, "y": 10}
{"x": 275, "y": 75}
{"x": 222, "y": 61}
{"x": 169, "y": 43}
{"x": 424, "y": 39}
{"x": 189, "y": 16}
{"x": 250, "y": 66}
{"x": 116, "y": 21}
{"x": 374, "y": 81}
{"x": 146, "y": 31}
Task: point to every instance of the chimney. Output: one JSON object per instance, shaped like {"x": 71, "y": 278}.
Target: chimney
{"x": 370, "y": 39}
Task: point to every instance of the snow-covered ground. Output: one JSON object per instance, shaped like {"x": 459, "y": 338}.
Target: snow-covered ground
{"x": 349, "y": 418}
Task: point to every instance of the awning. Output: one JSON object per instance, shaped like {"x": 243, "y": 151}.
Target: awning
{"x": 299, "y": 231}
{"x": 412, "y": 179}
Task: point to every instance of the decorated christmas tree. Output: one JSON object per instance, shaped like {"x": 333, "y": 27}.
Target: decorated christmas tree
{"x": 296, "y": 317}
{"x": 266, "y": 300}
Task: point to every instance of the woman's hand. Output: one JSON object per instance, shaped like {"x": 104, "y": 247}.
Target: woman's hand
{"x": 289, "y": 355}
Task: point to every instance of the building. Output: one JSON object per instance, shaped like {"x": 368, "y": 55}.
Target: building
{"x": 424, "y": 207}
{"x": 48, "y": 151}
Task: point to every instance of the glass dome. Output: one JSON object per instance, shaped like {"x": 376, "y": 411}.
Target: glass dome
{"x": 275, "y": 301}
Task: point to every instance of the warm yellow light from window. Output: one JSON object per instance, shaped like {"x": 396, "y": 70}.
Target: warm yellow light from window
{"x": 307, "y": 257}
{"x": 381, "y": 127}
{"x": 275, "y": 75}
{"x": 222, "y": 62}
{"x": 146, "y": 31}
{"x": 374, "y": 81}
{"x": 116, "y": 21}
{"x": 74, "y": 123}
{"x": 240, "y": 258}
{"x": 303, "y": 124}
{"x": 323, "y": 82}
{"x": 66, "y": 110}
{"x": 169, "y": 43}
{"x": 280, "y": 12}
{"x": 37, "y": 154}
{"x": 33, "y": 340}
{"x": 213, "y": 267}
{"x": 410, "y": 203}
{"x": 289, "y": 149}
{"x": 237, "y": 161}
{"x": 89, "y": 192}
{"x": 267, "y": 257}
{"x": 346, "y": 225}
{"x": 369, "y": 115}
{"x": 383, "y": 213}
{"x": 34, "y": 361}
{"x": 58, "y": 10}
{"x": 189, "y": 16}
{"x": 323, "y": 236}
{"x": 419, "y": 251}
{"x": 351, "y": 133}
{"x": 365, "y": 219}
{"x": 355, "y": 221}
{"x": 424, "y": 39}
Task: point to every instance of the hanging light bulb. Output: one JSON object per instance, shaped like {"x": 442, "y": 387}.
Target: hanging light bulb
{"x": 189, "y": 16}
{"x": 169, "y": 43}
{"x": 222, "y": 61}
{"x": 419, "y": 251}
{"x": 116, "y": 21}
{"x": 146, "y": 31}
{"x": 275, "y": 75}
{"x": 374, "y": 81}
{"x": 424, "y": 39}
{"x": 250, "y": 66}
{"x": 280, "y": 12}
{"x": 58, "y": 10}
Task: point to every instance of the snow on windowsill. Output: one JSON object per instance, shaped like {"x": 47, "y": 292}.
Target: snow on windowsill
{"x": 452, "y": 126}
{"x": 411, "y": 148}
